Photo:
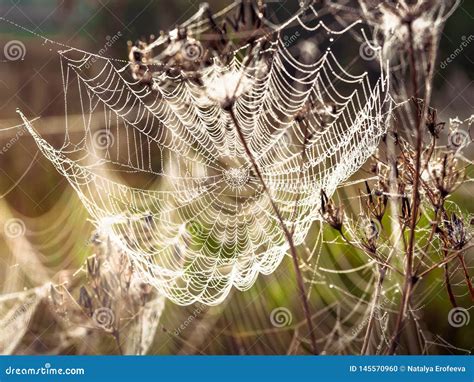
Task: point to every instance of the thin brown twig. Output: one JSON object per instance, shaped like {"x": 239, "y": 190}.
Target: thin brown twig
{"x": 446, "y": 260}
{"x": 466, "y": 276}
{"x": 372, "y": 255}
{"x": 409, "y": 281}
{"x": 434, "y": 227}
{"x": 287, "y": 233}
{"x": 303, "y": 160}
{"x": 447, "y": 280}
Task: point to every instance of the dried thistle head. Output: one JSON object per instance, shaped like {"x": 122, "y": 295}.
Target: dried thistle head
{"x": 395, "y": 22}
{"x": 454, "y": 232}
{"x": 376, "y": 202}
{"x": 331, "y": 214}
{"x": 140, "y": 62}
{"x": 110, "y": 294}
{"x": 226, "y": 87}
{"x": 432, "y": 123}
{"x": 445, "y": 174}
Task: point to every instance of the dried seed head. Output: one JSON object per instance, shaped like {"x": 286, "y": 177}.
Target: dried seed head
{"x": 443, "y": 175}
{"x": 333, "y": 215}
{"x": 456, "y": 235}
{"x": 377, "y": 200}
{"x": 93, "y": 267}
{"x": 85, "y": 301}
{"x": 226, "y": 87}
{"x": 370, "y": 231}
{"x": 56, "y": 297}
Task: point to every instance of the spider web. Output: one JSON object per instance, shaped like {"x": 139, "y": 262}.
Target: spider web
{"x": 198, "y": 221}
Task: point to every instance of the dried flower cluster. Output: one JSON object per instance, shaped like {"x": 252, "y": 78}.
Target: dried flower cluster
{"x": 442, "y": 233}
{"x": 111, "y": 300}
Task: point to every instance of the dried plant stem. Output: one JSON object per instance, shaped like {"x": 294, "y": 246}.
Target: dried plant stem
{"x": 466, "y": 276}
{"x": 372, "y": 255}
{"x": 447, "y": 280}
{"x": 455, "y": 254}
{"x": 409, "y": 279}
{"x": 434, "y": 226}
{"x": 287, "y": 233}
{"x": 303, "y": 160}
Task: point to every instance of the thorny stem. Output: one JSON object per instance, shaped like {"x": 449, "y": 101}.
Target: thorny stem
{"x": 287, "y": 233}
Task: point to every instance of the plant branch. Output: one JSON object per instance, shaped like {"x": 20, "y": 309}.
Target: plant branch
{"x": 409, "y": 280}
{"x": 287, "y": 233}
